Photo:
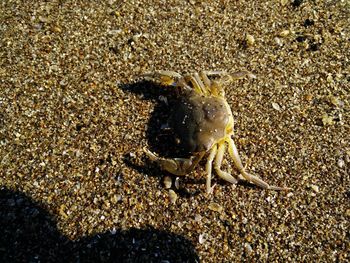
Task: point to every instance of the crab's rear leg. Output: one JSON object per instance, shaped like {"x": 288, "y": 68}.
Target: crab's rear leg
{"x": 208, "y": 169}
{"x": 176, "y": 166}
{"x": 249, "y": 177}
{"x": 218, "y": 161}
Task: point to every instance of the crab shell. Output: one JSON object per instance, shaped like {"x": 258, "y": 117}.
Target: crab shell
{"x": 199, "y": 122}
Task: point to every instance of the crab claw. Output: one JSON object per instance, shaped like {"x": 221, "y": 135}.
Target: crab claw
{"x": 163, "y": 77}
{"x": 176, "y": 166}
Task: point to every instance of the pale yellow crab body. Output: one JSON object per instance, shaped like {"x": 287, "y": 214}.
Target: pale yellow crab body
{"x": 202, "y": 122}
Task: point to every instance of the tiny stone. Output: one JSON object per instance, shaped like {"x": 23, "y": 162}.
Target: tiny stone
{"x": 290, "y": 194}
{"x": 330, "y": 78}
{"x": 315, "y": 188}
{"x": 202, "y": 238}
{"x": 278, "y": 41}
{"x": 128, "y": 137}
{"x": 248, "y": 248}
{"x": 250, "y": 40}
{"x": 177, "y": 183}
{"x": 172, "y": 196}
{"x": 167, "y": 182}
{"x": 198, "y": 218}
{"x": 341, "y": 163}
{"x": 308, "y": 97}
{"x": 215, "y": 207}
{"x": 284, "y": 33}
{"x": 327, "y": 120}
{"x": 348, "y": 212}
{"x": 276, "y": 106}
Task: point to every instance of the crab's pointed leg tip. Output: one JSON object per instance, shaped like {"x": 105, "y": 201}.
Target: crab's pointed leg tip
{"x": 280, "y": 188}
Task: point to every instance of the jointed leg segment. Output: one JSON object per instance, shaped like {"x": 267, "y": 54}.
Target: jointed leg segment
{"x": 249, "y": 177}
{"x": 208, "y": 169}
{"x": 218, "y": 161}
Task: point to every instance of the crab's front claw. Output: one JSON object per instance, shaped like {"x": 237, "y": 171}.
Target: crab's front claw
{"x": 176, "y": 166}
{"x": 163, "y": 77}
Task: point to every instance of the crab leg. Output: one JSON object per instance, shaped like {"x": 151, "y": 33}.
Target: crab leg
{"x": 214, "y": 72}
{"x": 208, "y": 168}
{"x": 252, "y": 178}
{"x": 195, "y": 84}
{"x": 177, "y": 166}
{"x": 164, "y": 77}
{"x": 211, "y": 86}
{"x": 217, "y": 165}
{"x": 205, "y": 78}
{"x": 200, "y": 84}
{"x": 241, "y": 74}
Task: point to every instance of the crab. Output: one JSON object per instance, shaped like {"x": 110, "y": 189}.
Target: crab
{"x": 203, "y": 124}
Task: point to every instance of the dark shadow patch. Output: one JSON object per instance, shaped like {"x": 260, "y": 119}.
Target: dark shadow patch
{"x": 160, "y": 139}
{"x": 29, "y": 234}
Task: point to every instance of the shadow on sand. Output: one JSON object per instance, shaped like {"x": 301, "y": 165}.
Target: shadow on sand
{"x": 29, "y": 234}
{"x": 160, "y": 139}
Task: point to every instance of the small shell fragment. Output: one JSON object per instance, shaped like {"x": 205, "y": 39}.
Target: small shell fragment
{"x": 202, "y": 238}
{"x": 315, "y": 188}
{"x": 250, "y": 40}
{"x": 290, "y": 194}
{"x": 334, "y": 101}
{"x": 248, "y": 248}
{"x": 276, "y": 106}
{"x": 327, "y": 120}
{"x": 198, "y": 218}
{"x": 341, "y": 163}
{"x": 215, "y": 207}
{"x": 177, "y": 182}
{"x": 284, "y": 33}
{"x": 278, "y": 41}
{"x": 167, "y": 182}
{"x": 172, "y": 196}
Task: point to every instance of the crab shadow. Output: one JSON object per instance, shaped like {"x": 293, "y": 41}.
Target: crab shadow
{"x": 29, "y": 234}
{"x": 161, "y": 140}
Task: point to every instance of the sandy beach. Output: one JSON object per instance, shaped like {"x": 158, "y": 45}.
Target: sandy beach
{"x": 76, "y": 112}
